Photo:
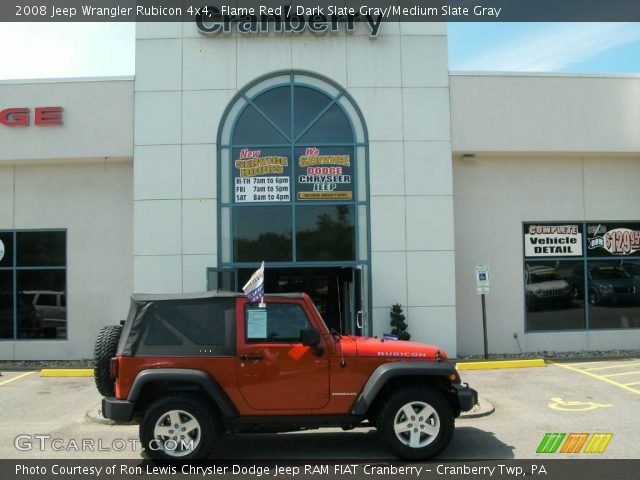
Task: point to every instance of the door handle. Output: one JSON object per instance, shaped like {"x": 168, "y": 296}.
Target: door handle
{"x": 244, "y": 358}
{"x": 359, "y": 320}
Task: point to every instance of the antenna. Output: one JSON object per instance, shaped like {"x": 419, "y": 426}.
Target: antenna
{"x": 342, "y": 362}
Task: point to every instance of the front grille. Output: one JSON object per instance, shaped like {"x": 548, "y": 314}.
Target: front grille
{"x": 553, "y": 293}
{"x": 623, "y": 290}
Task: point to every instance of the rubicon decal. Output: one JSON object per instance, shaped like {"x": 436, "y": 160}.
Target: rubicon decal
{"x": 402, "y": 354}
{"x": 21, "y": 116}
{"x": 574, "y": 442}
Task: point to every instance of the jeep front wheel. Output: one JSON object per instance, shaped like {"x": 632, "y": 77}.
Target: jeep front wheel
{"x": 178, "y": 427}
{"x": 416, "y": 423}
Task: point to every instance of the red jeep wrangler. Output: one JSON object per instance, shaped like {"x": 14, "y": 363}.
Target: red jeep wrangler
{"x": 190, "y": 368}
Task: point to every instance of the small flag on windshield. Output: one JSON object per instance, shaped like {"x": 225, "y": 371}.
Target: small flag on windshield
{"x": 254, "y": 288}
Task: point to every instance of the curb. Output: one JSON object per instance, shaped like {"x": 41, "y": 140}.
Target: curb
{"x": 494, "y": 364}
{"x": 94, "y": 415}
{"x": 66, "y": 372}
{"x": 482, "y": 409}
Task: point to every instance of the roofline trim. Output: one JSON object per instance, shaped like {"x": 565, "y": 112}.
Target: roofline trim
{"x": 472, "y": 73}
{"x": 28, "y": 81}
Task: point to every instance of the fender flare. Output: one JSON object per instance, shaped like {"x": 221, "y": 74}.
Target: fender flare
{"x": 387, "y": 371}
{"x": 198, "y": 377}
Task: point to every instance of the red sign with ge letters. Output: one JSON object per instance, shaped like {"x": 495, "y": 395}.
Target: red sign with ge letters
{"x": 20, "y": 117}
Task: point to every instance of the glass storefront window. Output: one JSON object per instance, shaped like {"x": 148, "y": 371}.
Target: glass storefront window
{"x": 613, "y": 295}
{"x": 294, "y": 157}
{"x": 309, "y": 103}
{"x": 41, "y": 249}
{"x": 293, "y": 177}
{"x": 263, "y": 233}
{"x": 34, "y": 307}
{"x": 325, "y": 232}
{"x": 6, "y": 304}
{"x": 550, "y": 300}
{"x": 603, "y": 275}
{"x": 41, "y": 304}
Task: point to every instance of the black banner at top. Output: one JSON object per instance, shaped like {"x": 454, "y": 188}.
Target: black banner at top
{"x": 296, "y": 11}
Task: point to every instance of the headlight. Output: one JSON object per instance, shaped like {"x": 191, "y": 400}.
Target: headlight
{"x": 606, "y": 288}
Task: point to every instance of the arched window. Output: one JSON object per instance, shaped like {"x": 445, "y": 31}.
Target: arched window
{"x": 292, "y": 177}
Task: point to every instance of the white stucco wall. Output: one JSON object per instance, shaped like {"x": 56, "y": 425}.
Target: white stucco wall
{"x": 536, "y": 144}
{"x": 184, "y": 81}
{"x": 97, "y": 116}
{"x": 545, "y": 113}
{"x": 494, "y": 195}
{"x": 92, "y": 201}
{"x": 78, "y": 177}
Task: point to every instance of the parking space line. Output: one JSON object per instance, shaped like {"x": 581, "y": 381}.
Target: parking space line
{"x": 632, "y": 383}
{"x": 622, "y": 365}
{"x": 587, "y": 363}
{"x": 621, "y": 374}
{"x": 598, "y": 377}
{"x": 16, "y": 378}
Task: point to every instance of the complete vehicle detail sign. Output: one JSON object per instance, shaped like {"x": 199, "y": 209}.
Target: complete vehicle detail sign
{"x": 542, "y": 240}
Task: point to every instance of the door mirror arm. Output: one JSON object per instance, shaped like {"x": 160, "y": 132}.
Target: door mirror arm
{"x": 310, "y": 337}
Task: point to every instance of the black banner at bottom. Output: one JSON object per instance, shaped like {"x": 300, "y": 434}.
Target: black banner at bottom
{"x": 548, "y": 469}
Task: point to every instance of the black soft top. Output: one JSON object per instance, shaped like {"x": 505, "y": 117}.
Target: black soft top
{"x": 183, "y": 324}
{"x": 151, "y": 297}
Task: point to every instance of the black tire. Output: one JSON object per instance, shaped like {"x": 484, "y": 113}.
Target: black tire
{"x": 437, "y": 417}
{"x": 593, "y": 298}
{"x": 105, "y": 350}
{"x": 185, "y": 408}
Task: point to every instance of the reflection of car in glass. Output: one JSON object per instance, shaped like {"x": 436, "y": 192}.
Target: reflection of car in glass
{"x": 544, "y": 287}
{"x": 48, "y": 313}
{"x": 632, "y": 268}
{"x": 607, "y": 284}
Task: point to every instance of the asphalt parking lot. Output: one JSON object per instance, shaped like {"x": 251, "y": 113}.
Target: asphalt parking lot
{"x": 48, "y": 416}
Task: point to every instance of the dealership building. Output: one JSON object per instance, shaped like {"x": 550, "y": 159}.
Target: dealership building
{"x": 349, "y": 160}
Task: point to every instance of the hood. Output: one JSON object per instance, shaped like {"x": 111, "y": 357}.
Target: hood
{"x": 546, "y": 286}
{"x": 390, "y": 349}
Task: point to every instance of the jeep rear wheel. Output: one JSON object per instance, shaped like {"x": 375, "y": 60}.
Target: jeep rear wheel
{"x": 416, "y": 423}
{"x": 105, "y": 349}
{"x": 179, "y": 427}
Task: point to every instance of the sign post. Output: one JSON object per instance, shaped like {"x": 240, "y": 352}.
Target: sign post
{"x": 482, "y": 288}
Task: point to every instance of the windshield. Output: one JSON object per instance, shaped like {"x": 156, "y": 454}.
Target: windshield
{"x": 598, "y": 273}
{"x": 544, "y": 276}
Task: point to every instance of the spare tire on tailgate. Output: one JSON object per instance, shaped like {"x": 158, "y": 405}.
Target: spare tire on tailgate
{"x": 105, "y": 350}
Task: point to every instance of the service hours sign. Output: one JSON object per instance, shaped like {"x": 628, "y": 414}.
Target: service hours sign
{"x": 261, "y": 176}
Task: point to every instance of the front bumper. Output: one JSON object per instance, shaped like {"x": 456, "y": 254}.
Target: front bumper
{"x": 117, "y": 410}
{"x": 467, "y": 396}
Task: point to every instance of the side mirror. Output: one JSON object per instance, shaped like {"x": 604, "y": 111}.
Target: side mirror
{"x": 310, "y": 337}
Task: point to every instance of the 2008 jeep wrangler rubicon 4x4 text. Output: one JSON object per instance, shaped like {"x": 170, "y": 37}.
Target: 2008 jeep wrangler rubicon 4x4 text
{"x": 190, "y": 368}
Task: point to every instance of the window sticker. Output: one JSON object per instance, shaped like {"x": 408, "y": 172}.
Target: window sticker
{"x": 256, "y": 324}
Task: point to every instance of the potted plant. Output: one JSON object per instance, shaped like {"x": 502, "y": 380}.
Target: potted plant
{"x": 398, "y": 324}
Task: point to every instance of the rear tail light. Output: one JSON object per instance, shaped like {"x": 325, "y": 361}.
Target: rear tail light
{"x": 113, "y": 367}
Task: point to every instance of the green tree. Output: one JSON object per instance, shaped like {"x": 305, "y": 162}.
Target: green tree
{"x": 398, "y": 324}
